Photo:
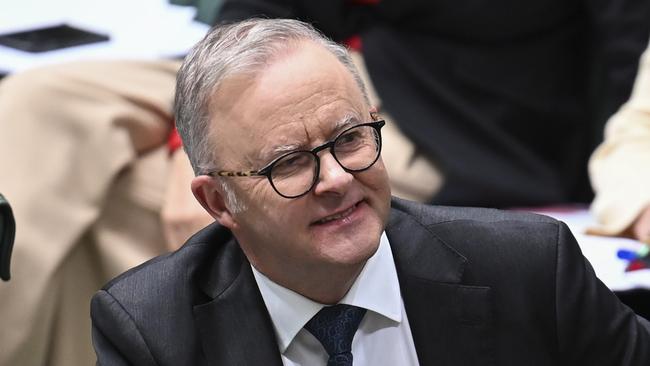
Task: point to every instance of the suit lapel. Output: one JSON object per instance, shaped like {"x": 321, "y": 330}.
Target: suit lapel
{"x": 450, "y": 322}
{"x": 235, "y": 327}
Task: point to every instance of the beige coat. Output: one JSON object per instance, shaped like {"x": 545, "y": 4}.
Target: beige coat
{"x": 620, "y": 167}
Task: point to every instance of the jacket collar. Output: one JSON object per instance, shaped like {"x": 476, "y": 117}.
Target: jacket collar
{"x": 234, "y": 326}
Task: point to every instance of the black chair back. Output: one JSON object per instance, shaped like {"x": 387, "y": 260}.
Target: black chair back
{"x": 7, "y": 235}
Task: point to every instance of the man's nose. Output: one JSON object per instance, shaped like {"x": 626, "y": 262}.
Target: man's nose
{"x": 332, "y": 178}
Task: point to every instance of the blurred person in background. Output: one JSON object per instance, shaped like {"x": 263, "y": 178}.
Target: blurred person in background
{"x": 505, "y": 100}
{"x": 620, "y": 167}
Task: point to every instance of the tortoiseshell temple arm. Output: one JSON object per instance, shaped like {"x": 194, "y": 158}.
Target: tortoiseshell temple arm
{"x": 249, "y": 173}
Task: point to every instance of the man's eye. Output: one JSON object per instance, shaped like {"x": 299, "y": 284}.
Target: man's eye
{"x": 349, "y": 138}
{"x": 351, "y": 141}
{"x": 291, "y": 163}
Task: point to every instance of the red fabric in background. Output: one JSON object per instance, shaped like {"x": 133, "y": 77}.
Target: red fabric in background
{"x": 174, "y": 141}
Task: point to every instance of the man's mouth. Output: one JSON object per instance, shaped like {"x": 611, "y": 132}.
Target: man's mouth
{"x": 337, "y": 216}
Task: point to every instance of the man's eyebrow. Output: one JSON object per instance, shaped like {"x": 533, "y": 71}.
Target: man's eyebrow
{"x": 348, "y": 120}
{"x": 267, "y": 155}
{"x": 276, "y": 150}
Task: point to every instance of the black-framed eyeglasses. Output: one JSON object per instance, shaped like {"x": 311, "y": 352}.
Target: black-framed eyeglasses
{"x": 294, "y": 174}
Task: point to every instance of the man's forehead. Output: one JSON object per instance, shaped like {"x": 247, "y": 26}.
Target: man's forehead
{"x": 279, "y": 107}
{"x": 299, "y": 71}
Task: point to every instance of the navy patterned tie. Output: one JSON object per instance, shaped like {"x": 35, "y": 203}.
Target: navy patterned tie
{"x": 334, "y": 326}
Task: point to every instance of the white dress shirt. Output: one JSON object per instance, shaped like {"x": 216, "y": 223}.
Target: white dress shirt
{"x": 384, "y": 335}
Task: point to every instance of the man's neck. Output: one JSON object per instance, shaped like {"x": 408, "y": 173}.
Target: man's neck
{"x": 322, "y": 285}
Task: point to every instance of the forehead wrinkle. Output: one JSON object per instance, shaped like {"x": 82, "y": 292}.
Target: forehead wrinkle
{"x": 302, "y": 99}
{"x": 297, "y": 108}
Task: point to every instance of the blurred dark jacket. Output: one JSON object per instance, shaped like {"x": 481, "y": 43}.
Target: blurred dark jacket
{"x": 509, "y": 97}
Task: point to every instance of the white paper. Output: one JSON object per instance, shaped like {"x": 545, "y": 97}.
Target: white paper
{"x": 602, "y": 251}
{"x": 138, "y": 29}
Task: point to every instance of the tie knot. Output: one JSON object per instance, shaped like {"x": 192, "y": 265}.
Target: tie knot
{"x": 334, "y": 326}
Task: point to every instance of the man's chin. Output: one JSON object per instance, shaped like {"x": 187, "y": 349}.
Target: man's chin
{"x": 350, "y": 251}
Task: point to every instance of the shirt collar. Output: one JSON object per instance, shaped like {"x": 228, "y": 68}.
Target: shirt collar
{"x": 376, "y": 289}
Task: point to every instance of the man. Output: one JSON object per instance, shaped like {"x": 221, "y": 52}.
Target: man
{"x": 286, "y": 149}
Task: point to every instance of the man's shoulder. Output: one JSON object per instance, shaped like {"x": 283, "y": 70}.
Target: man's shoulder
{"x": 476, "y": 232}
{"x": 429, "y": 215}
{"x": 172, "y": 273}
{"x": 152, "y": 305}
{"x": 491, "y": 244}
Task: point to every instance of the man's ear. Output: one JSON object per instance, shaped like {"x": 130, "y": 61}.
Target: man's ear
{"x": 210, "y": 195}
{"x": 374, "y": 114}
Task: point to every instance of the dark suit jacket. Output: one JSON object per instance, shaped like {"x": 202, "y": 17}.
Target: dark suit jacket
{"x": 480, "y": 287}
{"x": 509, "y": 97}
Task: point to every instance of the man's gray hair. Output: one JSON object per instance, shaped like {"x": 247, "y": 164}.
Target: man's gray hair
{"x": 243, "y": 48}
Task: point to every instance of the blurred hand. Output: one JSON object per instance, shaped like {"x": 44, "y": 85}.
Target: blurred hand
{"x": 641, "y": 227}
{"x": 182, "y": 215}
